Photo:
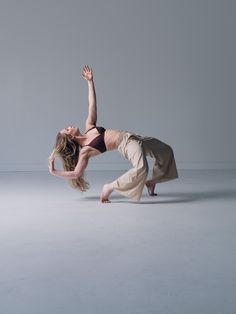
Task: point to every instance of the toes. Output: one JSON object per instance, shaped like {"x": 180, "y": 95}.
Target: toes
{"x": 153, "y": 194}
{"x": 106, "y": 201}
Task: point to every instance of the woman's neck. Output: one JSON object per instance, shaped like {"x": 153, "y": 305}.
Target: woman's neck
{"x": 80, "y": 139}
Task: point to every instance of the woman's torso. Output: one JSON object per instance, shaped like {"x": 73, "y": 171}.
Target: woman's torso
{"x": 111, "y": 138}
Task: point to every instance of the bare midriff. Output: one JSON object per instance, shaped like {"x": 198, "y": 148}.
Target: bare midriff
{"x": 112, "y": 138}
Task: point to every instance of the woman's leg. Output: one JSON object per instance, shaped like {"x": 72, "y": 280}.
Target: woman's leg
{"x": 164, "y": 168}
{"x": 131, "y": 183}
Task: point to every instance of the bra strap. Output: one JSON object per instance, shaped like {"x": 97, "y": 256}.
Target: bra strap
{"x": 90, "y": 129}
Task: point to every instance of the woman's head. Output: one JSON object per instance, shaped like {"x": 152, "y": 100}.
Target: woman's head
{"x": 67, "y": 150}
{"x": 71, "y": 131}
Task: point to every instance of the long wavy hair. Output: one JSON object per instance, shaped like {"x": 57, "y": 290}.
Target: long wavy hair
{"x": 67, "y": 150}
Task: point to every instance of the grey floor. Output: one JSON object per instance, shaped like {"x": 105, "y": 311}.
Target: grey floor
{"x": 64, "y": 252}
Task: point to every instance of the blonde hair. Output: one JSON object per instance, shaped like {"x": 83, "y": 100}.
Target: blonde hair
{"x": 67, "y": 150}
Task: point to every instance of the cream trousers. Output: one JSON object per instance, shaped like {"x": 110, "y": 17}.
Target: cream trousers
{"x": 135, "y": 148}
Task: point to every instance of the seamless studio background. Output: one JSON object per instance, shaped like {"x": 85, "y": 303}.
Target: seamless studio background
{"x": 161, "y": 68}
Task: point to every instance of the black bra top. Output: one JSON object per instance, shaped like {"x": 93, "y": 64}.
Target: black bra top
{"x": 98, "y": 142}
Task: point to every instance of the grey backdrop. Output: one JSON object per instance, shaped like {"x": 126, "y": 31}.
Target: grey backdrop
{"x": 161, "y": 68}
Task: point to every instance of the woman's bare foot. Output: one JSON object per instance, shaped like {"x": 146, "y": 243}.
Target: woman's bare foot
{"x": 151, "y": 188}
{"x": 106, "y": 191}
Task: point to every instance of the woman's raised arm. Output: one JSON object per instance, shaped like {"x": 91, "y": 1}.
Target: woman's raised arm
{"x": 92, "y": 110}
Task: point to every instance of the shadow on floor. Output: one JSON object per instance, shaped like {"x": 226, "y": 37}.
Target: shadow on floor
{"x": 173, "y": 197}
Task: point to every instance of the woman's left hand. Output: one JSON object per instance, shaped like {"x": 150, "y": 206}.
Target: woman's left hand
{"x": 87, "y": 73}
{"x": 51, "y": 165}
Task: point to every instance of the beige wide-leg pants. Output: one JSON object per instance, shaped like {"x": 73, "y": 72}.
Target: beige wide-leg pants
{"x": 135, "y": 148}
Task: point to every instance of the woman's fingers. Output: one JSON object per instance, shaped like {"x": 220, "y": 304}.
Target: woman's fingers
{"x": 51, "y": 160}
{"x": 51, "y": 164}
{"x": 87, "y": 73}
{"x": 86, "y": 68}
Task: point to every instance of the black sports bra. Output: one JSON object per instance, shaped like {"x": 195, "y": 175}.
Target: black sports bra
{"x": 98, "y": 142}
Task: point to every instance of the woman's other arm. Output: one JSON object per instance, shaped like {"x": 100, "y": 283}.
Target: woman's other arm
{"x": 76, "y": 173}
{"x": 92, "y": 110}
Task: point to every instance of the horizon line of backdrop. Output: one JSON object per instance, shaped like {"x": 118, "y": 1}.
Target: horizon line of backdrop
{"x": 161, "y": 68}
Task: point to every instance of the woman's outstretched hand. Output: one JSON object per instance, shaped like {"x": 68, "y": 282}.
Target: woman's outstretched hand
{"x": 87, "y": 73}
{"x": 51, "y": 165}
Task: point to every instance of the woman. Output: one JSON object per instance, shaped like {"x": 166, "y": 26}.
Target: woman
{"x": 75, "y": 149}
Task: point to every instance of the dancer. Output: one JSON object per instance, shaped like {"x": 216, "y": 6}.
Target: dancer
{"x": 74, "y": 149}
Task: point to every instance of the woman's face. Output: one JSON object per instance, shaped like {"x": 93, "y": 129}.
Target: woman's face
{"x": 70, "y": 130}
